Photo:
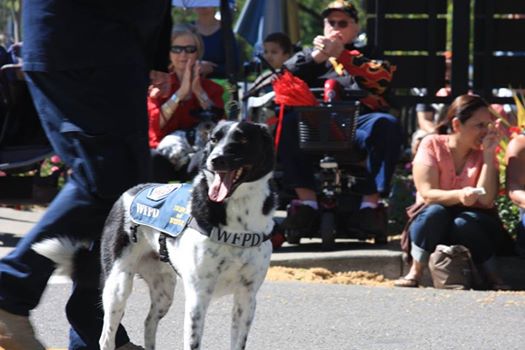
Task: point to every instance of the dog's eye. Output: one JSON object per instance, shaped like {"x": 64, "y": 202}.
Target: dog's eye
{"x": 240, "y": 137}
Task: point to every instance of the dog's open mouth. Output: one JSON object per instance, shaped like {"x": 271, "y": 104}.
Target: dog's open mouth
{"x": 224, "y": 182}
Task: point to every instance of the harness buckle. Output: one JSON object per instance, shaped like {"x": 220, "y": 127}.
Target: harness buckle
{"x": 133, "y": 230}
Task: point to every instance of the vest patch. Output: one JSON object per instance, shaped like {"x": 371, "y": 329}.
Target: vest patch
{"x": 163, "y": 207}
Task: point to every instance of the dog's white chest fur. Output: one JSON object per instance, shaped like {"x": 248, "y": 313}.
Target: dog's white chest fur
{"x": 221, "y": 269}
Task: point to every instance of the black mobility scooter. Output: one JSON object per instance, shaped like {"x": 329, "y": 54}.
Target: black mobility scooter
{"x": 326, "y": 132}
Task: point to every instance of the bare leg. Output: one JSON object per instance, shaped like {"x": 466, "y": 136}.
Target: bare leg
{"x": 416, "y": 270}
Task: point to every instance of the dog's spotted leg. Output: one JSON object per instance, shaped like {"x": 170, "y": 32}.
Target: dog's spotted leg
{"x": 114, "y": 296}
{"x": 194, "y": 314}
{"x": 242, "y": 316}
{"x": 161, "y": 281}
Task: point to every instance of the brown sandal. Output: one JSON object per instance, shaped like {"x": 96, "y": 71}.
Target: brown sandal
{"x": 406, "y": 282}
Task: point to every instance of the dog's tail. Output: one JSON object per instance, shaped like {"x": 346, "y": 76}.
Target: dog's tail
{"x": 63, "y": 251}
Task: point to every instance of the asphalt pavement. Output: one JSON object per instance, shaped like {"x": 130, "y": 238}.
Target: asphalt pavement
{"x": 308, "y": 316}
{"x": 294, "y": 315}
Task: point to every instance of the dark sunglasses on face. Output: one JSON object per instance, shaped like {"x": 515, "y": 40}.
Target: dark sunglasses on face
{"x": 187, "y": 49}
{"x": 341, "y": 24}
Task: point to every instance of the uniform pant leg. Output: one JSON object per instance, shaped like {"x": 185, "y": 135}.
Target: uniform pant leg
{"x": 100, "y": 131}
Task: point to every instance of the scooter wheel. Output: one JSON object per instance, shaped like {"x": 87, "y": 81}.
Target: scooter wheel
{"x": 380, "y": 240}
{"x": 328, "y": 231}
{"x": 293, "y": 236}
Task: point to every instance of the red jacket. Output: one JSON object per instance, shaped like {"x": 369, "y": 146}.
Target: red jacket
{"x": 181, "y": 119}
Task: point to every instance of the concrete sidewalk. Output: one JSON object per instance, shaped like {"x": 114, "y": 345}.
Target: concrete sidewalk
{"x": 350, "y": 255}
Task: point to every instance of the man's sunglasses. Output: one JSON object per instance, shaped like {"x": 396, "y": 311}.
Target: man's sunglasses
{"x": 340, "y": 24}
{"x": 187, "y": 49}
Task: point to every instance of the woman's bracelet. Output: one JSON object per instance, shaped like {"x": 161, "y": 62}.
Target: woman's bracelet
{"x": 204, "y": 99}
{"x": 169, "y": 106}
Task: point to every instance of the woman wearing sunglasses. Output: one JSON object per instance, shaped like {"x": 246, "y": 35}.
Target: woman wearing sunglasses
{"x": 181, "y": 111}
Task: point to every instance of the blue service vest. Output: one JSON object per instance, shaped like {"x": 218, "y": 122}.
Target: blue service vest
{"x": 166, "y": 208}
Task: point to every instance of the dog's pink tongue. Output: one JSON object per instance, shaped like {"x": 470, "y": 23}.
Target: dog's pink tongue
{"x": 222, "y": 183}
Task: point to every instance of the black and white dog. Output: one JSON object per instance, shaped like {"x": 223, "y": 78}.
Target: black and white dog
{"x": 222, "y": 248}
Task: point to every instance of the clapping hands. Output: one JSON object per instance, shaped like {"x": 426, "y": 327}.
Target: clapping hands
{"x": 191, "y": 81}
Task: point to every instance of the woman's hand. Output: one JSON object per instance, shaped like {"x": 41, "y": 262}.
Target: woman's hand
{"x": 185, "y": 88}
{"x": 196, "y": 86}
{"x": 468, "y": 196}
{"x": 160, "y": 84}
{"x": 207, "y": 67}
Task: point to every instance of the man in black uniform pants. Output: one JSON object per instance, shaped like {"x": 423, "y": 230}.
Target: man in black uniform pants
{"x": 87, "y": 64}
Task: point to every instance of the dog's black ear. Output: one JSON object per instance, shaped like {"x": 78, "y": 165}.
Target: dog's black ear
{"x": 203, "y": 154}
{"x": 267, "y": 138}
{"x": 196, "y": 163}
{"x": 263, "y": 126}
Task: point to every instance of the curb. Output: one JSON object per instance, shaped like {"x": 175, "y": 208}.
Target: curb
{"x": 386, "y": 260}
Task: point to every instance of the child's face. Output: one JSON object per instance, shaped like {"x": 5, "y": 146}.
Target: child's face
{"x": 274, "y": 54}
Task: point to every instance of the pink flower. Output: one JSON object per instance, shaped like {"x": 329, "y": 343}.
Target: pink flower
{"x": 54, "y": 169}
{"x": 55, "y": 159}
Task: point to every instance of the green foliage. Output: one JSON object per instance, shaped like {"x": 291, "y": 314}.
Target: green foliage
{"x": 9, "y": 13}
{"x": 309, "y": 25}
{"x": 54, "y": 168}
{"x": 509, "y": 213}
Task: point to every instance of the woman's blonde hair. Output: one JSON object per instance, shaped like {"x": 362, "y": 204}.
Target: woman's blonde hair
{"x": 187, "y": 29}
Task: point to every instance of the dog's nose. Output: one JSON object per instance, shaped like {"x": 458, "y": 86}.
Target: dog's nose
{"x": 219, "y": 162}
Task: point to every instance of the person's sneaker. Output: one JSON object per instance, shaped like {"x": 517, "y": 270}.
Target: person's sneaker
{"x": 130, "y": 346}
{"x": 16, "y": 333}
{"x": 373, "y": 220}
{"x": 300, "y": 217}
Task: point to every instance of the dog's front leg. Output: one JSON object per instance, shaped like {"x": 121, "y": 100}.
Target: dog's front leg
{"x": 194, "y": 314}
{"x": 244, "y": 303}
{"x": 161, "y": 282}
{"x": 116, "y": 291}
